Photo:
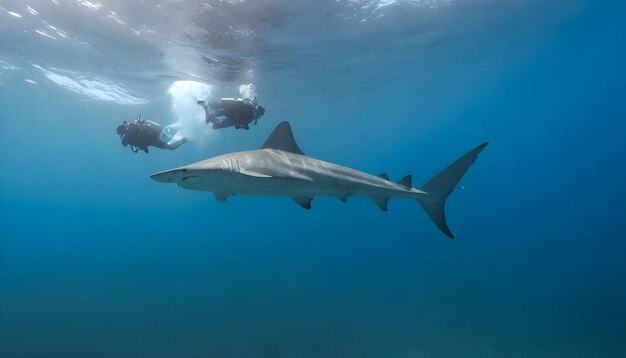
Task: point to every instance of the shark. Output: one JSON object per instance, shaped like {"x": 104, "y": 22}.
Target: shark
{"x": 280, "y": 168}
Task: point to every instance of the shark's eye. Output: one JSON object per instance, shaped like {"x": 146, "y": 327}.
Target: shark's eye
{"x": 184, "y": 170}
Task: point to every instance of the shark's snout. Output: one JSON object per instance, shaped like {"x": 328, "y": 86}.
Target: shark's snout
{"x": 161, "y": 177}
{"x": 169, "y": 176}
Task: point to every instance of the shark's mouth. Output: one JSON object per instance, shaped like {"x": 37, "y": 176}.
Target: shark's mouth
{"x": 189, "y": 182}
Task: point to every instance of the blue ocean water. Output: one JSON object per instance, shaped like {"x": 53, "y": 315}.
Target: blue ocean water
{"x": 98, "y": 260}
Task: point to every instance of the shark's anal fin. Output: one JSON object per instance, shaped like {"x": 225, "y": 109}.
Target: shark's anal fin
{"x": 381, "y": 202}
{"x": 407, "y": 181}
{"x": 384, "y": 176}
{"x": 303, "y": 202}
{"x": 221, "y": 197}
{"x": 282, "y": 139}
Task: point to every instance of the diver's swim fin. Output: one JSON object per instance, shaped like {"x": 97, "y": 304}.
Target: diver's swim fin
{"x": 208, "y": 114}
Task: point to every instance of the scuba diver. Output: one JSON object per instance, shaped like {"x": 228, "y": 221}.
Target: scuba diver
{"x": 143, "y": 133}
{"x": 238, "y": 112}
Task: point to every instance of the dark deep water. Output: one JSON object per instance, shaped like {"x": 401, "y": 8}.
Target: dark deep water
{"x": 97, "y": 260}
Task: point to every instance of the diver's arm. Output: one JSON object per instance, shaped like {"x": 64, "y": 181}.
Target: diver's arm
{"x": 175, "y": 145}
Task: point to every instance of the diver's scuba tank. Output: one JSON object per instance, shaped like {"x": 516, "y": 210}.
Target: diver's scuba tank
{"x": 155, "y": 127}
{"x": 228, "y": 102}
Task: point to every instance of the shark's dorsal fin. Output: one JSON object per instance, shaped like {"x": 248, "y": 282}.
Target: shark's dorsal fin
{"x": 384, "y": 176}
{"x": 407, "y": 181}
{"x": 282, "y": 139}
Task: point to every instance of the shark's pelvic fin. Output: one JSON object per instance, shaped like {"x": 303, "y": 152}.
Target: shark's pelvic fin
{"x": 442, "y": 184}
{"x": 407, "y": 181}
{"x": 384, "y": 176}
{"x": 381, "y": 202}
{"x": 303, "y": 202}
{"x": 282, "y": 139}
{"x": 221, "y": 197}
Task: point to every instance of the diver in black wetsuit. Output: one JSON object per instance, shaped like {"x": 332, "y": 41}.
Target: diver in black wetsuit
{"x": 142, "y": 133}
{"x": 235, "y": 112}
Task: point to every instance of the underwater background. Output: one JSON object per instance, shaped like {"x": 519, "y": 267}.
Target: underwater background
{"x": 98, "y": 260}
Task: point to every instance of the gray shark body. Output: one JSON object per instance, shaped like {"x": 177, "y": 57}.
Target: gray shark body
{"x": 280, "y": 168}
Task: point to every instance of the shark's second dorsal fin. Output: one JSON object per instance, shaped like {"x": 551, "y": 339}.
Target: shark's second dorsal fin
{"x": 407, "y": 181}
{"x": 282, "y": 139}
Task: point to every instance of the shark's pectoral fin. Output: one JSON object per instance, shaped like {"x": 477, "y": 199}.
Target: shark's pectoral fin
{"x": 251, "y": 173}
{"x": 290, "y": 175}
{"x": 303, "y": 202}
{"x": 294, "y": 176}
{"x": 221, "y": 197}
{"x": 381, "y": 202}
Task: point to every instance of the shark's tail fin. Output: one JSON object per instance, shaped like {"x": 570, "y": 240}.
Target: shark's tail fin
{"x": 442, "y": 184}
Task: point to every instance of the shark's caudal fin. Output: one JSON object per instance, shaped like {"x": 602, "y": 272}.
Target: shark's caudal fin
{"x": 442, "y": 184}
